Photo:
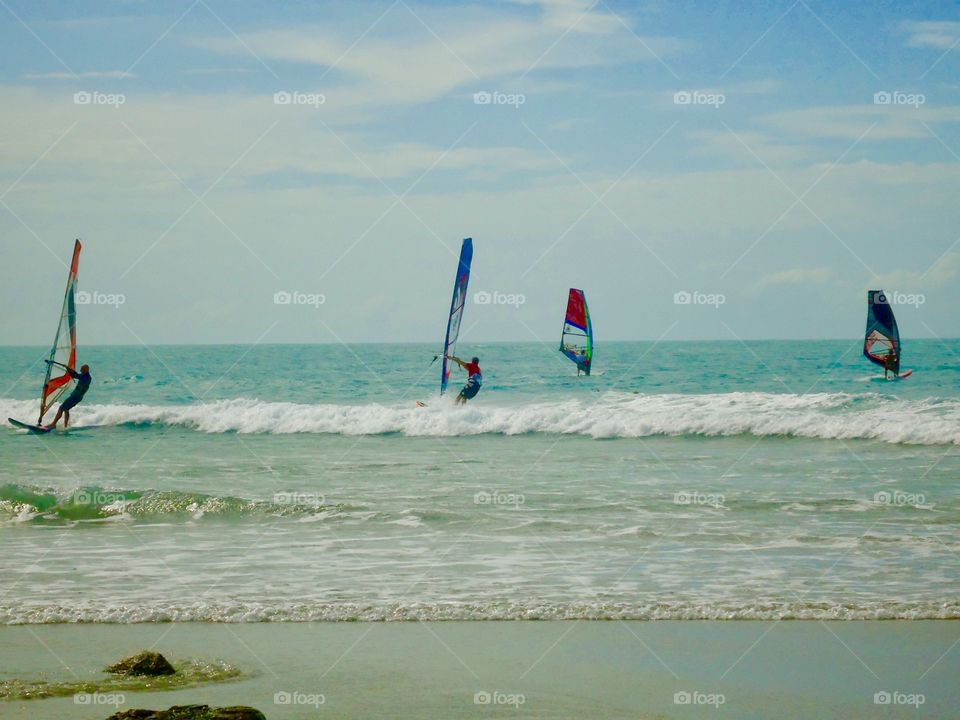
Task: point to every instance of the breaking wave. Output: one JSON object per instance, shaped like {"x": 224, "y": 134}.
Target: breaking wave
{"x": 840, "y": 416}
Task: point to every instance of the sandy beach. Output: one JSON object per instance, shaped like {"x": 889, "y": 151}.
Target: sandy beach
{"x": 517, "y": 669}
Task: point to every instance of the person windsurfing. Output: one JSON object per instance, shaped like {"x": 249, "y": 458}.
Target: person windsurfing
{"x": 474, "y": 379}
{"x": 83, "y": 384}
{"x": 890, "y": 364}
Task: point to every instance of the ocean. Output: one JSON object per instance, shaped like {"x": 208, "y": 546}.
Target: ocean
{"x": 683, "y": 480}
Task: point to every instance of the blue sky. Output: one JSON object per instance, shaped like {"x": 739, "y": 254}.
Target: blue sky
{"x": 787, "y": 186}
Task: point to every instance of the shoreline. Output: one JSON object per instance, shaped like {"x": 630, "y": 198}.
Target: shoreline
{"x": 556, "y": 669}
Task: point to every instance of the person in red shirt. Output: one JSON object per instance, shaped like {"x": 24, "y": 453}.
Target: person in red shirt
{"x": 474, "y": 379}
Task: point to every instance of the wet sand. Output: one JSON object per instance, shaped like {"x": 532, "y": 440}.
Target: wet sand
{"x": 670, "y": 669}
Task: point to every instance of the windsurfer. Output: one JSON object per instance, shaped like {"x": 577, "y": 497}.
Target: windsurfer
{"x": 474, "y": 379}
{"x": 890, "y": 364}
{"x": 83, "y": 384}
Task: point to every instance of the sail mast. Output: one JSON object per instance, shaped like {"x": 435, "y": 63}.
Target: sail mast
{"x": 457, "y": 304}
{"x": 57, "y": 381}
{"x": 882, "y": 335}
{"x": 576, "y": 340}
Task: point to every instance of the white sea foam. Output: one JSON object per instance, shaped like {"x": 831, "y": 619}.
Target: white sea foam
{"x": 243, "y": 612}
{"x": 614, "y": 415}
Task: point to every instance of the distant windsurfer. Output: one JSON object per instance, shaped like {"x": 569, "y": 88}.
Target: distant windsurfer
{"x": 890, "y": 364}
{"x": 83, "y": 384}
{"x": 474, "y": 379}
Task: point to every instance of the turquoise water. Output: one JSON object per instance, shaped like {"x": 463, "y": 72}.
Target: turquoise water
{"x": 683, "y": 480}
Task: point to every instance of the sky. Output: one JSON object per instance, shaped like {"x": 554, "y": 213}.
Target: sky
{"x": 766, "y": 162}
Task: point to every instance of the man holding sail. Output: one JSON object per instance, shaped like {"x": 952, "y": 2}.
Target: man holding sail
{"x": 474, "y": 379}
{"x": 83, "y": 384}
{"x": 890, "y": 364}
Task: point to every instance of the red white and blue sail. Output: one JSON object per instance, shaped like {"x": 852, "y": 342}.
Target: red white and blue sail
{"x": 57, "y": 381}
{"x": 882, "y": 335}
{"x": 576, "y": 341}
{"x": 457, "y": 304}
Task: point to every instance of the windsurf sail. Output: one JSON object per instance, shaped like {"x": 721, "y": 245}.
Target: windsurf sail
{"x": 576, "y": 341}
{"x": 64, "y": 351}
{"x": 456, "y": 310}
{"x": 882, "y": 335}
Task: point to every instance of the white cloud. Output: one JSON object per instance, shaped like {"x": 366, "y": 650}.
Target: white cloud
{"x": 189, "y": 134}
{"x": 939, "y": 34}
{"x": 849, "y": 122}
{"x": 107, "y": 74}
{"x": 575, "y": 15}
{"x": 771, "y": 149}
{"x": 217, "y": 71}
{"x": 107, "y": 186}
{"x": 795, "y": 276}
{"x": 942, "y": 273}
{"x": 753, "y": 87}
{"x": 413, "y": 64}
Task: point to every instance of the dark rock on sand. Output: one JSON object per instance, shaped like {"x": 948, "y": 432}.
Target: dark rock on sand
{"x": 192, "y": 712}
{"x": 145, "y": 663}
